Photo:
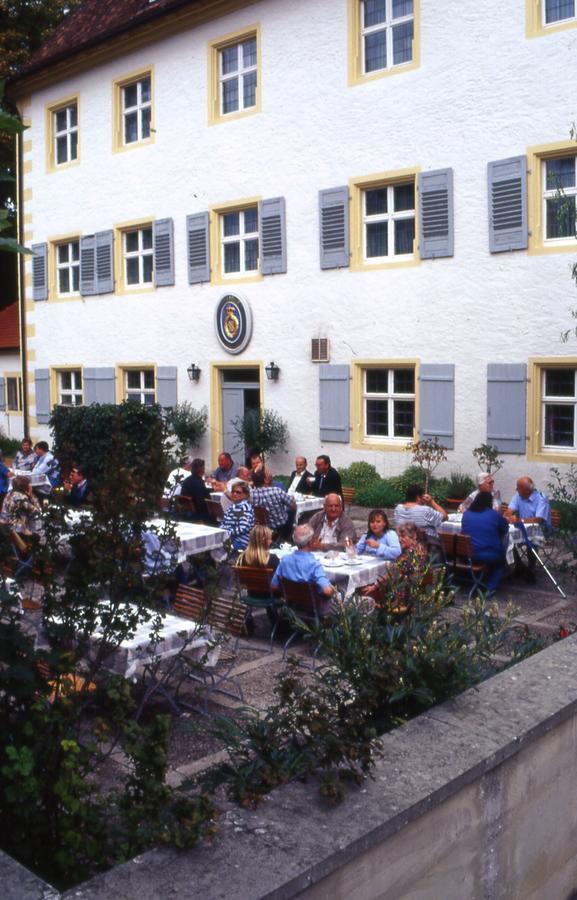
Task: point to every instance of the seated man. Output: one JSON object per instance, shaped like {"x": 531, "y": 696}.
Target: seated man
{"x": 486, "y": 483}
{"x": 326, "y": 480}
{"x": 299, "y": 477}
{"x": 332, "y": 529}
{"x": 46, "y": 464}
{"x": 276, "y": 502}
{"x": 78, "y": 487}
{"x": 421, "y": 510}
{"x": 195, "y": 488}
{"x": 528, "y": 504}
{"x": 302, "y": 565}
{"x": 175, "y": 481}
{"x": 226, "y": 469}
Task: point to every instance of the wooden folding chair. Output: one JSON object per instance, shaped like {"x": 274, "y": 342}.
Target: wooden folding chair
{"x": 258, "y": 593}
{"x": 349, "y": 494}
{"x": 303, "y": 599}
{"x": 215, "y": 510}
{"x": 260, "y": 515}
{"x": 458, "y": 553}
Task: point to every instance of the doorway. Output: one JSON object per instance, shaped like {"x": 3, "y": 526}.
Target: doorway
{"x": 240, "y": 392}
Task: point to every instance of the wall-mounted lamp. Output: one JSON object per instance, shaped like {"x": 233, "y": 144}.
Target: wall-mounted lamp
{"x": 272, "y": 371}
{"x": 193, "y": 372}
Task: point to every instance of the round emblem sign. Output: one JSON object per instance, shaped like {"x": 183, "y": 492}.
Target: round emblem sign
{"x": 233, "y": 323}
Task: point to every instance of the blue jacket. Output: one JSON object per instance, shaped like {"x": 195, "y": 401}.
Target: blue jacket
{"x": 487, "y": 530}
{"x": 389, "y": 546}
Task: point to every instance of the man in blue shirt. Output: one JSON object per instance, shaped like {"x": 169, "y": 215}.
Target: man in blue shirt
{"x": 528, "y": 504}
{"x": 302, "y": 565}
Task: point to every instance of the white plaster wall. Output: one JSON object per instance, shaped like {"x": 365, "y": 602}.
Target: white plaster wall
{"x": 482, "y": 92}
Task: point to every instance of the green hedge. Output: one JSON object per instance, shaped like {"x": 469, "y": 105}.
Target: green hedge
{"x": 8, "y": 446}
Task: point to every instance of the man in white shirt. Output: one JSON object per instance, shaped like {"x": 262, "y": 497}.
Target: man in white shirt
{"x": 174, "y": 481}
{"x": 299, "y": 483}
{"x": 486, "y": 484}
{"x": 46, "y": 464}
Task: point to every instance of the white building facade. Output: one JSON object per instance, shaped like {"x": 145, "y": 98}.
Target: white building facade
{"x": 395, "y": 178}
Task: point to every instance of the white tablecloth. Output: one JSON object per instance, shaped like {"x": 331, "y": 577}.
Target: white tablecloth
{"x": 303, "y": 502}
{"x": 346, "y": 576}
{"x": 40, "y": 480}
{"x": 515, "y": 536}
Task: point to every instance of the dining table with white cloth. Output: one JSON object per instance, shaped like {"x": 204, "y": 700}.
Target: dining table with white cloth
{"x": 348, "y": 574}
{"x": 515, "y": 535}
{"x": 304, "y": 502}
{"x": 38, "y": 479}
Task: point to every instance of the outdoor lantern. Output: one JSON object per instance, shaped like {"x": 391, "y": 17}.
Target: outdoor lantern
{"x": 272, "y": 371}
{"x": 193, "y": 372}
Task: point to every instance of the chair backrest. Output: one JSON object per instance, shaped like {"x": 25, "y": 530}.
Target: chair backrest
{"x": 301, "y": 596}
{"x": 349, "y": 494}
{"x": 224, "y": 613}
{"x": 463, "y": 546}
{"x": 215, "y": 510}
{"x": 260, "y": 515}
{"x": 555, "y": 518}
{"x": 184, "y": 505}
{"x": 255, "y": 579}
{"x": 448, "y": 544}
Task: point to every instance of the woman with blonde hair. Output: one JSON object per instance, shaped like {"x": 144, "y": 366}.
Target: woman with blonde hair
{"x": 258, "y": 552}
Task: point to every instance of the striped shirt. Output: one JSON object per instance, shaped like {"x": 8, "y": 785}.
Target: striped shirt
{"x": 422, "y": 516}
{"x": 239, "y": 521}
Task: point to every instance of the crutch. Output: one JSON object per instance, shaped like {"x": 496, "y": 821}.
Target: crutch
{"x": 531, "y": 549}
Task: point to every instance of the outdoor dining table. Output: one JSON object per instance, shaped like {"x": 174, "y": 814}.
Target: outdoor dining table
{"x": 515, "y": 536}
{"x": 39, "y": 479}
{"x": 304, "y": 502}
{"x": 348, "y": 575}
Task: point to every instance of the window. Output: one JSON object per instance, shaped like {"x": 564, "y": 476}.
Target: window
{"x": 545, "y": 16}
{"x": 13, "y": 393}
{"x": 389, "y": 403}
{"x": 133, "y": 110}
{"x": 137, "y": 251}
{"x": 62, "y": 147}
{"x": 559, "y": 191}
{"x": 69, "y": 386}
{"x": 558, "y": 408}
{"x": 558, "y": 11}
{"x": 383, "y": 221}
{"x": 139, "y": 386}
{"x": 67, "y": 268}
{"x": 234, "y": 77}
{"x": 239, "y": 237}
{"x": 383, "y": 37}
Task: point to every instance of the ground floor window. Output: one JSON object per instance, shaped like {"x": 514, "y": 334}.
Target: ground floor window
{"x": 13, "y": 393}
{"x": 559, "y": 408}
{"x": 389, "y": 403}
{"x": 139, "y": 386}
{"x": 70, "y": 387}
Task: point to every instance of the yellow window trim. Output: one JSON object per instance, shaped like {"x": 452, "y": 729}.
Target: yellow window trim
{"x": 535, "y": 157}
{"x": 54, "y": 370}
{"x": 121, "y": 368}
{"x": 217, "y": 429}
{"x": 214, "y": 47}
{"x": 355, "y": 52}
{"x": 119, "y": 229}
{"x": 535, "y": 451}
{"x": 53, "y": 243}
{"x": 356, "y": 188}
{"x": 49, "y": 110}
{"x": 118, "y": 145}
{"x": 358, "y": 439}
{"x": 18, "y": 376}
{"x": 534, "y": 21}
{"x": 214, "y": 213}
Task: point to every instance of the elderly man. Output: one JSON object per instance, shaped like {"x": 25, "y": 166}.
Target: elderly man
{"x": 486, "y": 484}
{"x": 421, "y": 510}
{"x": 175, "y": 481}
{"x": 277, "y": 503}
{"x": 226, "y": 469}
{"x": 528, "y": 504}
{"x": 327, "y": 480}
{"x": 195, "y": 488}
{"x": 46, "y": 464}
{"x": 299, "y": 477}
{"x": 302, "y": 565}
{"x": 78, "y": 487}
{"x": 332, "y": 529}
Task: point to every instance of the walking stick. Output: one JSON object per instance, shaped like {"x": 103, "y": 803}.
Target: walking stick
{"x": 531, "y": 549}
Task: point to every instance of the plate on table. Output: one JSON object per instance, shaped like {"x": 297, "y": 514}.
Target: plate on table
{"x": 355, "y": 561}
{"x": 333, "y": 563}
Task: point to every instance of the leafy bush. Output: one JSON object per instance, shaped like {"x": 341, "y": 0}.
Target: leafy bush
{"x": 411, "y": 475}
{"x": 563, "y": 494}
{"x": 382, "y": 494}
{"x": 187, "y": 424}
{"x": 460, "y": 485}
{"x": 261, "y": 430}
{"x": 359, "y": 475}
{"x": 8, "y": 446}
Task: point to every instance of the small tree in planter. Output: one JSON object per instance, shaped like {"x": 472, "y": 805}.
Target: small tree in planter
{"x": 187, "y": 424}
{"x": 262, "y": 430}
{"x": 428, "y": 454}
{"x": 488, "y": 458}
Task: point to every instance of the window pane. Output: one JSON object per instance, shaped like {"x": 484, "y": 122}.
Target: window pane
{"x": 145, "y": 90}
{"x": 560, "y": 173}
{"x": 251, "y": 256}
{"x": 402, "y": 8}
{"x": 377, "y": 381}
{"x": 556, "y": 10}
{"x": 377, "y": 239}
{"x": 229, "y": 59}
{"x": 61, "y": 150}
{"x": 232, "y": 257}
{"x": 402, "y": 43}
{"x": 561, "y": 217}
{"x": 75, "y": 247}
{"x": 73, "y": 115}
{"x": 147, "y": 238}
{"x": 404, "y": 236}
{"x": 230, "y": 95}
{"x": 376, "y": 202}
{"x": 12, "y": 393}
{"x": 145, "y": 122}
{"x": 375, "y": 51}
{"x": 130, "y": 95}
{"x": 404, "y": 380}
{"x": 60, "y": 119}
{"x": 66, "y": 381}
{"x": 251, "y": 220}
{"x": 404, "y": 197}
{"x": 404, "y": 418}
{"x": 130, "y": 128}
{"x": 149, "y": 379}
{"x": 560, "y": 383}
{"x": 132, "y": 274}
{"x": 62, "y": 253}
{"x": 249, "y": 88}
{"x": 231, "y": 224}
{"x": 133, "y": 379}
{"x": 64, "y": 281}
{"x": 75, "y": 374}
{"x": 76, "y": 278}
{"x": 249, "y": 52}
{"x": 559, "y": 425}
{"x": 148, "y": 399}
{"x": 374, "y": 12}
{"x": 131, "y": 239}
{"x": 74, "y": 145}
{"x": 147, "y": 268}
{"x": 378, "y": 417}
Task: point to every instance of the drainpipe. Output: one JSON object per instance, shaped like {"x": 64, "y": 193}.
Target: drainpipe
{"x": 21, "y": 284}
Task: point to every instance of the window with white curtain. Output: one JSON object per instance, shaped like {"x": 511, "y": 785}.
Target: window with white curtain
{"x": 387, "y": 32}
{"x": 558, "y": 11}
{"x": 559, "y": 196}
{"x": 388, "y": 221}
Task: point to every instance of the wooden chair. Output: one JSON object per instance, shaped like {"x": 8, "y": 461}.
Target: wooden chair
{"x": 184, "y": 507}
{"x": 258, "y": 593}
{"x": 458, "y": 553}
{"x": 64, "y": 684}
{"x": 215, "y": 511}
{"x": 260, "y": 515}
{"x": 349, "y": 494}
{"x": 303, "y": 599}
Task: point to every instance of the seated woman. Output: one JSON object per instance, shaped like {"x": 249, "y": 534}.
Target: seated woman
{"x": 380, "y": 540}
{"x": 239, "y": 519}
{"x": 393, "y": 590}
{"x": 487, "y": 529}
{"x": 257, "y": 552}
{"x": 21, "y": 510}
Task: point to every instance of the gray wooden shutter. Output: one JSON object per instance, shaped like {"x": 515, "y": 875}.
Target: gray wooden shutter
{"x": 437, "y": 404}
{"x": 99, "y": 385}
{"x": 88, "y": 265}
{"x": 2, "y": 395}
{"x": 334, "y": 392}
{"x": 40, "y": 272}
{"x": 104, "y": 262}
{"x": 198, "y": 248}
{"x": 166, "y": 385}
{"x": 334, "y": 227}
{"x": 273, "y": 236}
{"x": 163, "y": 252}
{"x": 507, "y": 188}
{"x": 507, "y": 406}
{"x": 43, "y": 408}
{"x": 436, "y": 232}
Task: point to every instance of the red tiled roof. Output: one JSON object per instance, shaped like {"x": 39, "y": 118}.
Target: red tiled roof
{"x": 9, "y": 328}
{"x": 94, "y": 22}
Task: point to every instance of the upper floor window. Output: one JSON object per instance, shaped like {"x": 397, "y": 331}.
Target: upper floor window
{"x": 239, "y": 239}
{"x": 62, "y": 147}
{"x": 234, "y": 77}
{"x": 559, "y": 193}
{"x": 69, "y": 385}
{"x": 389, "y": 221}
{"x": 138, "y": 257}
{"x": 389, "y": 403}
{"x": 558, "y": 11}
{"x": 133, "y": 110}
{"x": 139, "y": 386}
{"x": 68, "y": 268}
{"x": 387, "y": 33}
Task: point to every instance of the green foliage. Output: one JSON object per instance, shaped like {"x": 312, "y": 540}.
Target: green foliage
{"x": 563, "y": 494}
{"x": 381, "y": 494}
{"x": 359, "y": 475}
{"x": 488, "y": 458}
{"x": 428, "y": 454}
{"x": 187, "y": 424}
{"x": 459, "y": 485}
{"x": 262, "y": 430}
{"x": 8, "y": 446}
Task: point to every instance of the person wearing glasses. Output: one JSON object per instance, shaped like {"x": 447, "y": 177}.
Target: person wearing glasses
{"x": 239, "y": 519}
{"x": 486, "y": 484}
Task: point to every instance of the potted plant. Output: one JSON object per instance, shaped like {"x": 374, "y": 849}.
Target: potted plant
{"x": 428, "y": 454}
{"x": 488, "y": 458}
{"x": 459, "y": 486}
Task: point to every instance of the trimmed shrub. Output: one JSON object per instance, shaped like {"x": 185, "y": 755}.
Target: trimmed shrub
{"x": 359, "y": 475}
{"x": 8, "y": 446}
{"x": 384, "y": 493}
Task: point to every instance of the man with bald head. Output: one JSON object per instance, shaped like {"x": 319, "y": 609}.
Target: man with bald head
{"x": 528, "y": 504}
{"x": 302, "y": 565}
{"x": 332, "y": 529}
